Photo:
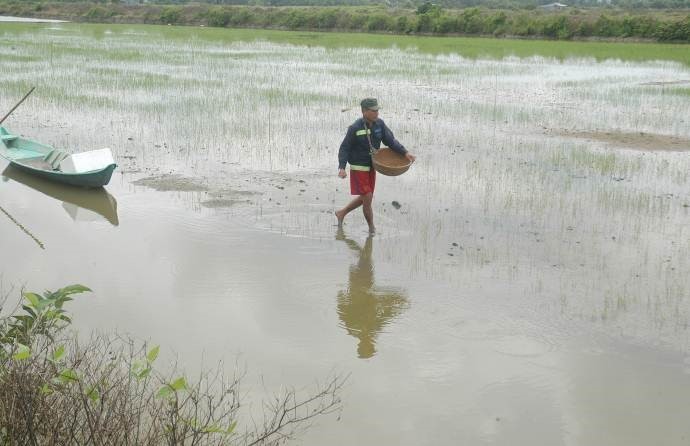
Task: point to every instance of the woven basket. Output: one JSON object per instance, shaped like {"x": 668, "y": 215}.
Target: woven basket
{"x": 391, "y": 163}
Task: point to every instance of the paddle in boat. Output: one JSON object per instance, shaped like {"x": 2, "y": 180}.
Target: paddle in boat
{"x": 88, "y": 169}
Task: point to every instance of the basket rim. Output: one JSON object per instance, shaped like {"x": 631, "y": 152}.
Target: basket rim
{"x": 391, "y": 171}
{"x": 400, "y": 166}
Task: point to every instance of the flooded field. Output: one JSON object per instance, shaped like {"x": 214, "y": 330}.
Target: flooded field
{"x": 528, "y": 283}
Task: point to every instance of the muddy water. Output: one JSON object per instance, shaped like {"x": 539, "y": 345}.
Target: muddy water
{"x": 530, "y": 288}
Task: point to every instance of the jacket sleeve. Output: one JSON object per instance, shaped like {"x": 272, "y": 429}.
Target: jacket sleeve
{"x": 345, "y": 147}
{"x": 390, "y": 141}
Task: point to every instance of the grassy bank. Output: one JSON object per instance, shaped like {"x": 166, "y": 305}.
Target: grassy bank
{"x": 565, "y": 25}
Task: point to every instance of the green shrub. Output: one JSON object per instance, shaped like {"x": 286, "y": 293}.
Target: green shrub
{"x": 98, "y": 13}
{"x": 170, "y": 15}
{"x": 218, "y": 17}
{"x": 108, "y": 390}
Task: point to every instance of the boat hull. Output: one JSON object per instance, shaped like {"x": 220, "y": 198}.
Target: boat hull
{"x": 96, "y": 178}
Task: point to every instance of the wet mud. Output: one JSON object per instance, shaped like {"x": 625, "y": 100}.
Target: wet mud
{"x": 634, "y": 141}
{"x": 172, "y": 182}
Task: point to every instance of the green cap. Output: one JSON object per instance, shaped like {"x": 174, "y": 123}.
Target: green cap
{"x": 370, "y": 103}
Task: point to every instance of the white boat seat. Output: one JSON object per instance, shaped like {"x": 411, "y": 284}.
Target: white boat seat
{"x": 54, "y": 157}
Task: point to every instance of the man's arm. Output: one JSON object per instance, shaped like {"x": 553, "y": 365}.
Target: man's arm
{"x": 390, "y": 141}
{"x": 345, "y": 147}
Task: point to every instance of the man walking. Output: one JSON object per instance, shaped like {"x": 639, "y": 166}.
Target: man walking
{"x": 362, "y": 138}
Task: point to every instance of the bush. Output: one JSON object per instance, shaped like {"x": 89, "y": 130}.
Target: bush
{"x": 218, "y": 17}
{"x": 98, "y": 13}
{"x": 327, "y": 19}
{"x": 379, "y": 22}
{"x": 678, "y": 31}
{"x": 171, "y": 15}
{"x": 55, "y": 390}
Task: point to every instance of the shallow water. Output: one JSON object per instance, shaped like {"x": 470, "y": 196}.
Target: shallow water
{"x": 530, "y": 289}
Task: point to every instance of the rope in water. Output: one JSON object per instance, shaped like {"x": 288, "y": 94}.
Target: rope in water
{"x": 20, "y": 226}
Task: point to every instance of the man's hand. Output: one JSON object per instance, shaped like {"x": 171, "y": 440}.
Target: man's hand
{"x": 342, "y": 173}
{"x": 410, "y": 157}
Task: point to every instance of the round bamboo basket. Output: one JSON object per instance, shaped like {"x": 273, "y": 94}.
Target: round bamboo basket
{"x": 391, "y": 163}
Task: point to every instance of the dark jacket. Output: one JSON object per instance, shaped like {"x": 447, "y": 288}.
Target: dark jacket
{"x": 355, "y": 147}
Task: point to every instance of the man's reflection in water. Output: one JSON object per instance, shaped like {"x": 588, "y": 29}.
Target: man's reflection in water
{"x": 364, "y": 308}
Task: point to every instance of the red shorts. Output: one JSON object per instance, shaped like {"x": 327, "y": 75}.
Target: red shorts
{"x": 361, "y": 182}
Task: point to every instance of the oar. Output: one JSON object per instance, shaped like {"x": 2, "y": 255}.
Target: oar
{"x": 18, "y": 104}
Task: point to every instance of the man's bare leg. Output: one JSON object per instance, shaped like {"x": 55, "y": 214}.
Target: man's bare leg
{"x": 368, "y": 211}
{"x": 354, "y": 204}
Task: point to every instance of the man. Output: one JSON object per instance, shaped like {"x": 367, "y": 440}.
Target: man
{"x": 365, "y": 135}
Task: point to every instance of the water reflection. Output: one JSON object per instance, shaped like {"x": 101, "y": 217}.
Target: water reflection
{"x": 364, "y": 308}
{"x": 81, "y": 204}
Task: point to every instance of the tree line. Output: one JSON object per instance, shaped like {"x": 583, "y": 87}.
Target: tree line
{"x": 411, "y": 4}
{"x": 426, "y": 19}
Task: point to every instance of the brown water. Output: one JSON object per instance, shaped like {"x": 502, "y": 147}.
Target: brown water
{"x": 531, "y": 288}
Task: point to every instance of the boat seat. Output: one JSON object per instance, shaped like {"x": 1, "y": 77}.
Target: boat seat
{"x": 54, "y": 157}
{"x": 8, "y": 137}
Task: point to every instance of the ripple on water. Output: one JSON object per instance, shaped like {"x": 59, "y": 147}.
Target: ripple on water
{"x": 523, "y": 346}
{"x": 501, "y": 418}
{"x": 314, "y": 221}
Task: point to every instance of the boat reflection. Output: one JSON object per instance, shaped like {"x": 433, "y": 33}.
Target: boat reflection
{"x": 80, "y": 203}
{"x": 364, "y": 308}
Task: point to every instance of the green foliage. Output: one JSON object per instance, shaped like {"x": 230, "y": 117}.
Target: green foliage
{"x": 674, "y": 31}
{"x": 379, "y": 22}
{"x": 23, "y": 352}
{"x": 171, "y": 15}
{"x": 327, "y": 19}
{"x": 99, "y": 13}
{"x": 43, "y": 315}
{"x": 455, "y": 4}
{"x": 141, "y": 369}
{"x": 58, "y": 354}
{"x": 557, "y": 28}
{"x": 170, "y": 389}
{"x": 108, "y": 392}
{"x": 218, "y": 17}
{"x": 446, "y": 17}
{"x": 429, "y": 8}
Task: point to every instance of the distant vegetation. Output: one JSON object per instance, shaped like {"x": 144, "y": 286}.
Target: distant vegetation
{"x": 412, "y": 4}
{"x": 457, "y": 4}
{"x": 426, "y": 18}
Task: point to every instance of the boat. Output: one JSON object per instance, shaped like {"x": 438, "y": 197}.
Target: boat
{"x": 44, "y": 161}
{"x": 77, "y": 201}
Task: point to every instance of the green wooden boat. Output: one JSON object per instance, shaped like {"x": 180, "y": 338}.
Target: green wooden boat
{"x": 43, "y": 160}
